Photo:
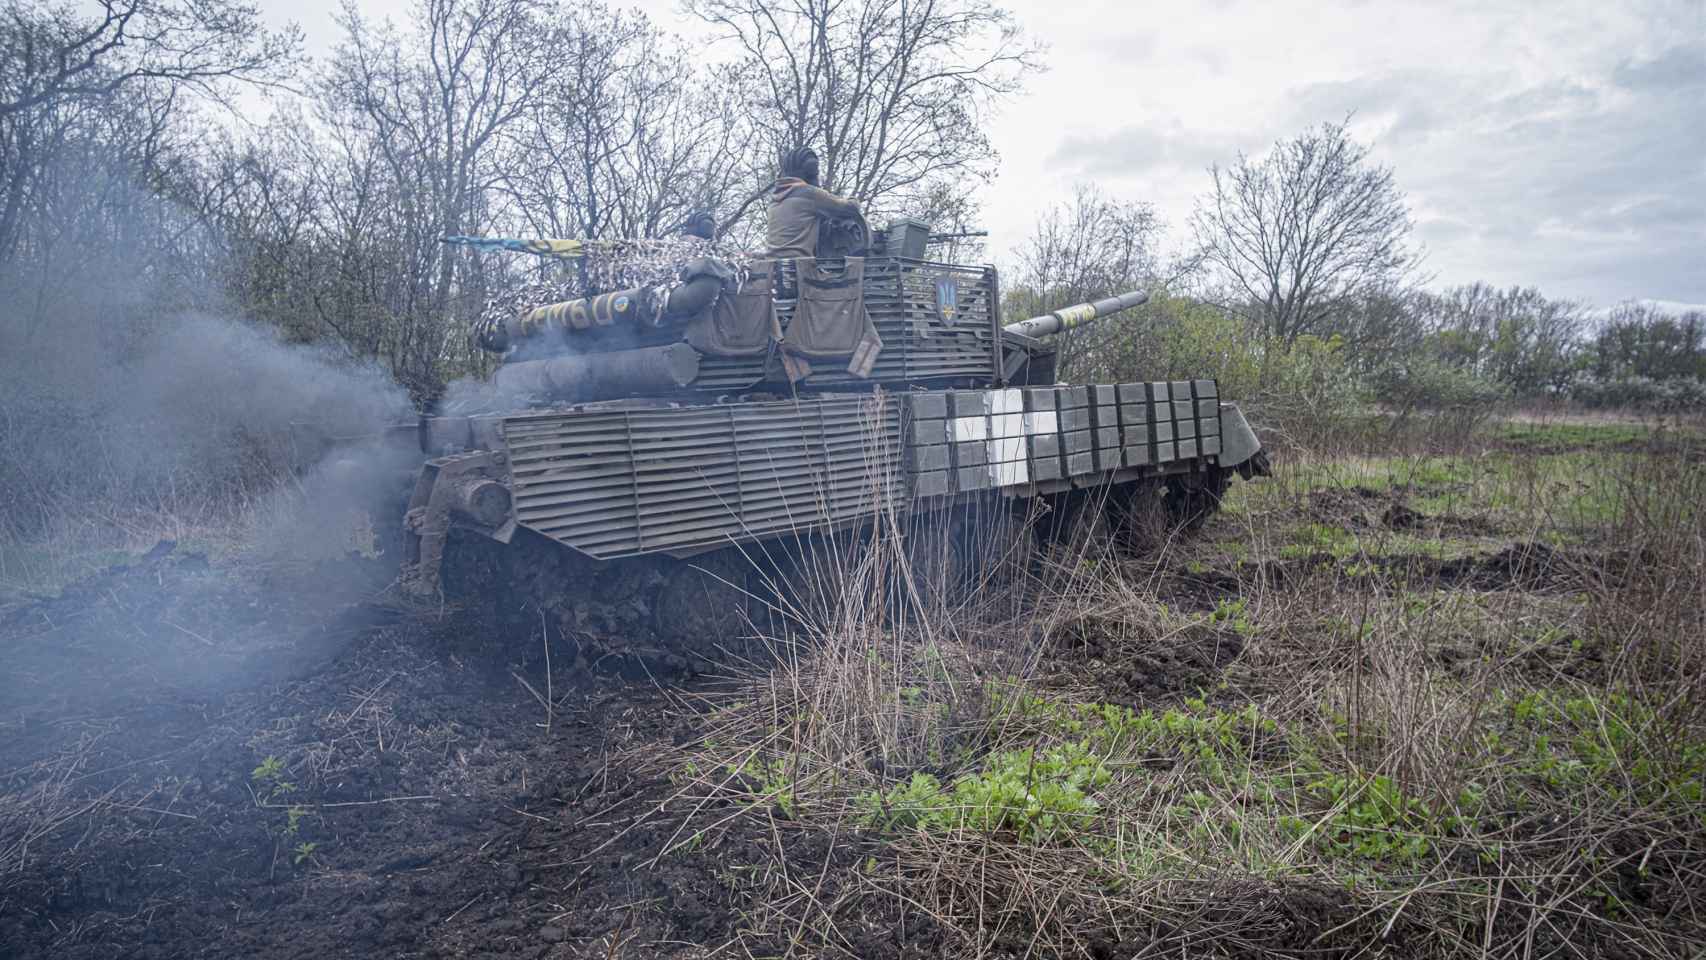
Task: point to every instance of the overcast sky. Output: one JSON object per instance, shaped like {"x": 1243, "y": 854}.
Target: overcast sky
{"x": 1559, "y": 143}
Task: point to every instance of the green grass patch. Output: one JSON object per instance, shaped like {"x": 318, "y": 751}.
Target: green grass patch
{"x": 1566, "y": 434}
{"x": 1345, "y": 546}
{"x": 1315, "y": 538}
{"x": 1228, "y": 784}
{"x": 1370, "y": 473}
{"x": 1568, "y": 491}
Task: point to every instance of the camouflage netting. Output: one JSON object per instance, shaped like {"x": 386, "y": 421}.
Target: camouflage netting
{"x": 593, "y": 267}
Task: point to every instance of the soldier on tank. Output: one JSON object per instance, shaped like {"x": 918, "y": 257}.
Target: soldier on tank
{"x": 798, "y": 206}
{"x": 700, "y": 224}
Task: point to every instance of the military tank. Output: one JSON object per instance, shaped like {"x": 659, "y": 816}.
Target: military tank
{"x": 656, "y": 453}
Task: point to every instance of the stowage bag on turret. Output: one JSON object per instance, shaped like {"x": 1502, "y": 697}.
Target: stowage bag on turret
{"x": 831, "y": 320}
{"x": 742, "y": 321}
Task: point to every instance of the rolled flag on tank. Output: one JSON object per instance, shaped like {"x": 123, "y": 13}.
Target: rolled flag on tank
{"x": 558, "y": 249}
{"x": 606, "y": 309}
{"x": 1068, "y": 317}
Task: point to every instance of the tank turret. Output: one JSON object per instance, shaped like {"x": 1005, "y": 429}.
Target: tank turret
{"x": 745, "y": 323}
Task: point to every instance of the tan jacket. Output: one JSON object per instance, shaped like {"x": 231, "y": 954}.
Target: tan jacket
{"x": 795, "y": 207}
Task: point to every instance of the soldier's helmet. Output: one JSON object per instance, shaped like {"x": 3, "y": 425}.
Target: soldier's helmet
{"x": 801, "y": 162}
{"x": 700, "y": 224}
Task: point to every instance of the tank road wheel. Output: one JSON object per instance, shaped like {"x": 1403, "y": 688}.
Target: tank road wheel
{"x": 1078, "y": 523}
{"x": 1192, "y": 498}
{"x": 935, "y": 569}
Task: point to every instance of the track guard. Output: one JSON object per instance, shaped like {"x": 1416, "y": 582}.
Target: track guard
{"x": 1239, "y": 448}
{"x": 470, "y": 489}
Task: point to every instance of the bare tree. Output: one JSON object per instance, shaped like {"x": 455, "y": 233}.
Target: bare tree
{"x": 52, "y": 53}
{"x": 893, "y": 94}
{"x": 427, "y": 107}
{"x": 61, "y": 66}
{"x": 1306, "y": 229}
{"x": 626, "y": 137}
{"x": 1517, "y": 336}
{"x": 1091, "y": 248}
{"x": 83, "y": 192}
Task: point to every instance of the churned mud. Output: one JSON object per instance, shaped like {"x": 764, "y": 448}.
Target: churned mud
{"x": 1527, "y": 566}
{"x": 195, "y": 764}
{"x": 1180, "y": 665}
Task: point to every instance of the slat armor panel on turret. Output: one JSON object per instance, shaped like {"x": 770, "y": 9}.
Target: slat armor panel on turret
{"x": 918, "y": 345}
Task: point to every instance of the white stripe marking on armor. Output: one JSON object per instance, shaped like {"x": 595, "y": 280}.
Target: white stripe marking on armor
{"x": 971, "y": 428}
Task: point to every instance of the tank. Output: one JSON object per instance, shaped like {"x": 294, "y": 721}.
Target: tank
{"x": 664, "y": 446}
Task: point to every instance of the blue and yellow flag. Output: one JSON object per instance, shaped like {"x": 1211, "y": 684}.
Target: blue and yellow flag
{"x": 544, "y": 247}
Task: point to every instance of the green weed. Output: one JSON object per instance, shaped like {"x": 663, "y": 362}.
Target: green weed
{"x": 775, "y": 782}
{"x": 271, "y": 785}
{"x": 1368, "y": 817}
{"x": 1609, "y": 743}
{"x": 1317, "y": 538}
{"x": 1034, "y": 796}
{"x": 1233, "y": 613}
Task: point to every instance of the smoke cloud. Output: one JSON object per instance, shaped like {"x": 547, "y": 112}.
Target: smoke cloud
{"x": 114, "y": 405}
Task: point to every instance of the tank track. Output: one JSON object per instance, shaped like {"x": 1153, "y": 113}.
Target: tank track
{"x": 655, "y": 615}
{"x": 635, "y": 617}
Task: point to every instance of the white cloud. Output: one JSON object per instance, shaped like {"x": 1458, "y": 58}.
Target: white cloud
{"x": 1560, "y": 144}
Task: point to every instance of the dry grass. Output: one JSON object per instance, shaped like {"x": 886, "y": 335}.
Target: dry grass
{"x": 1463, "y": 751}
{"x": 298, "y": 521}
{"x": 49, "y": 796}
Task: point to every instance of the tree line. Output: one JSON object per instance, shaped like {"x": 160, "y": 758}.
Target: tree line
{"x": 1300, "y": 285}
{"x": 134, "y": 186}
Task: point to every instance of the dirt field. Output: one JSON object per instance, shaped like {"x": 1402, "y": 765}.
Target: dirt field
{"x": 1399, "y": 705}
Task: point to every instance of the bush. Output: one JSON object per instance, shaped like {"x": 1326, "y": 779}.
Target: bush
{"x": 1308, "y": 391}
{"x": 1456, "y": 400}
{"x": 1427, "y": 383}
{"x": 1169, "y": 338}
{"x": 1678, "y": 395}
{"x": 1305, "y": 390}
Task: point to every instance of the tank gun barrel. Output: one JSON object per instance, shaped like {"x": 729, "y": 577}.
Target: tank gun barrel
{"x": 1068, "y": 317}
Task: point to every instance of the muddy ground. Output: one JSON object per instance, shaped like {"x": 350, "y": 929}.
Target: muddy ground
{"x": 446, "y": 816}
{"x": 421, "y": 800}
